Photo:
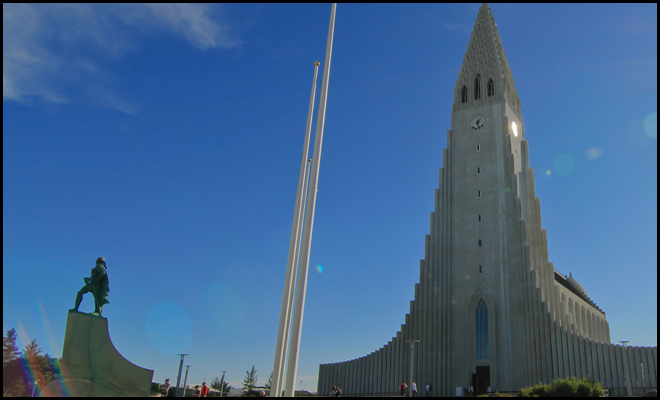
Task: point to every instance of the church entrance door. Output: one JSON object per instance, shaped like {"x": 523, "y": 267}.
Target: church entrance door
{"x": 481, "y": 380}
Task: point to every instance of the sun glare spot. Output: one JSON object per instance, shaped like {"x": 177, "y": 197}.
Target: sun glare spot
{"x": 593, "y": 153}
{"x": 548, "y": 172}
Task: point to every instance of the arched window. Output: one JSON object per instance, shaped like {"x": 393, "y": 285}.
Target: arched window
{"x": 463, "y": 94}
{"x": 481, "y": 318}
{"x": 477, "y": 87}
{"x": 491, "y": 88}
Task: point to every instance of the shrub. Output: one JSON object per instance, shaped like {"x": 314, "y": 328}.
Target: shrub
{"x": 564, "y": 387}
{"x": 569, "y": 387}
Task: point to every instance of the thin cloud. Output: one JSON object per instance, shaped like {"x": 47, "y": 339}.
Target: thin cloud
{"x": 55, "y": 52}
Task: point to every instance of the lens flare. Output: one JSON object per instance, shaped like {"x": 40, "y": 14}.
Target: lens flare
{"x": 593, "y": 153}
{"x": 563, "y": 164}
{"x": 32, "y": 370}
{"x": 651, "y": 125}
{"x": 639, "y": 129}
{"x": 548, "y": 172}
{"x": 319, "y": 268}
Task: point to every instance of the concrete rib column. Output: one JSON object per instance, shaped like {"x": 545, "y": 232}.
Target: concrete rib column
{"x": 342, "y": 375}
{"x": 389, "y": 378}
{"x": 321, "y": 386}
{"x": 614, "y": 370}
{"x": 363, "y": 375}
{"x": 367, "y": 374}
{"x": 547, "y": 326}
{"x": 621, "y": 383}
{"x": 565, "y": 354}
{"x": 365, "y": 385}
{"x": 425, "y": 349}
{"x": 583, "y": 357}
{"x": 374, "y": 377}
{"x": 383, "y": 368}
{"x": 354, "y": 376}
{"x": 395, "y": 362}
{"x": 376, "y": 370}
{"x": 379, "y": 370}
{"x": 347, "y": 377}
{"x": 653, "y": 367}
{"x": 401, "y": 361}
{"x": 439, "y": 371}
{"x": 576, "y": 355}
{"x": 603, "y": 352}
{"x": 594, "y": 360}
{"x": 638, "y": 366}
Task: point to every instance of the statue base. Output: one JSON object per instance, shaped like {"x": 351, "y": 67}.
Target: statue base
{"x": 92, "y": 366}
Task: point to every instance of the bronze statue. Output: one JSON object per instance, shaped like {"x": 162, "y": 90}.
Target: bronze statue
{"x": 98, "y": 285}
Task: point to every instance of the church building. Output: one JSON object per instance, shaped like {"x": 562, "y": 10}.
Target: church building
{"x": 490, "y": 310}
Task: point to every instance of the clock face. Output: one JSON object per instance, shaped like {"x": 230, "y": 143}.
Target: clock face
{"x": 477, "y": 121}
{"x": 514, "y": 128}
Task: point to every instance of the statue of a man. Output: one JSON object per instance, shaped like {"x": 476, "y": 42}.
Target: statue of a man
{"x": 98, "y": 285}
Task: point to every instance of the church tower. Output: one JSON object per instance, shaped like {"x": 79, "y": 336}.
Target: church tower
{"x": 489, "y": 310}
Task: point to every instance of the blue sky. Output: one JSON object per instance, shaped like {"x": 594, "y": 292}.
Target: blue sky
{"x": 168, "y": 138}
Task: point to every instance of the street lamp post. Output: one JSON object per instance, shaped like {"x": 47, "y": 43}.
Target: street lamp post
{"x": 178, "y": 377}
{"x": 34, "y": 387}
{"x": 412, "y": 357}
{"x": 626, "y": 366}
{"x": 222, "y": 383}
{"x": 184, "y": 381}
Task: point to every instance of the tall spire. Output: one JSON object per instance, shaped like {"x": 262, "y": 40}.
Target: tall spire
{"x": 485, "y": 58}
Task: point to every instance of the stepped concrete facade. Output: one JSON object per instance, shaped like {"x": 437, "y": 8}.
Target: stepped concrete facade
{"x": 490, "y": 309}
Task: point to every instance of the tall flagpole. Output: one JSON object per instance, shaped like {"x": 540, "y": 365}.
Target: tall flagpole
{"x": 301, "y": 288}
{"x": 294, "y": 251}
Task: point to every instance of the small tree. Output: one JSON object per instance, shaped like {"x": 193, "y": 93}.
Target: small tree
{"x": 10, "y": 350}
{"x": 250, "y": 380}
{"x": 215, "y": 384}
{"x": 270, "y": 379}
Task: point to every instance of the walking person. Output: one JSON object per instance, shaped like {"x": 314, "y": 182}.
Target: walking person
{"x": 402, "y": 388}
{"x": 165, "y": 388}
{"x": 196, "y": 392}
{"x": 414, "y": 389}
{"x": 205, "y": 389}
{"x": 429, "y": 388}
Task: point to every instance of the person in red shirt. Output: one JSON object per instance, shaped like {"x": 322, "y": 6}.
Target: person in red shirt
{"x": 205, "y": 389}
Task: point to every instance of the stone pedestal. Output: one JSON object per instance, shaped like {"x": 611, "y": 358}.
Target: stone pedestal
{"x": 92, "y": 366}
